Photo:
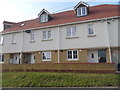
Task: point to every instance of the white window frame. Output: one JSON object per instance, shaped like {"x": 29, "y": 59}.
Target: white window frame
{"x": 91, "y": 31}
{"x": 72, "y": 55}
{"x": 71, "y": 32}
{"x": 44, "y": 18}
{"x": 81, "y": 11}
{"x": 14, "y": 38}
{"x": 47, "y": 34}
{"x": 32, "y": 36}
{"x": 1, "y": 40}
{"x": 48, "y": 56}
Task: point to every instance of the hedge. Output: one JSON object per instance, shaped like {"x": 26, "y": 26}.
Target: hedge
{"x": 67, "y": 67}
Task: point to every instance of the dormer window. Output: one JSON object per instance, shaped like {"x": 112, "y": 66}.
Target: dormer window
{"x": 81, "y": 9}
{"x": 44, "y": 18}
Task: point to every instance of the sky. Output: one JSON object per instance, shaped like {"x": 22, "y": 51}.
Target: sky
{"x": 21, "y": 10}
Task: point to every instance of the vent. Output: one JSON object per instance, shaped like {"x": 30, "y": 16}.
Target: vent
{"x": 28, "y": 31}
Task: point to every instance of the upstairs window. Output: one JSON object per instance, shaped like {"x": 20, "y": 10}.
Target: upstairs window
{"x": 46, "y": 56}
{"x": 90, "y": 30}
{"x": 81, "y": 11}
{"x": 1, "y": 40}
{"x": 14, "y": 38}
{"x": 32, "y": 38}
{"x": 71, "y": 32}
{"x": 44, "y": 18}
{"x": 46, "y": 34}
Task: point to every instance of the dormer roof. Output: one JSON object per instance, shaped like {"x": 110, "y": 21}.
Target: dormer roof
{"x": 81, "y": 3}
{"x": 43, "y": 11}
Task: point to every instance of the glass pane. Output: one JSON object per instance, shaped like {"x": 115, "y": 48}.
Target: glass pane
{"x": 49, "y": 34}
{"x": 68, "y": 32}
{"x": 44, "y": 55}
{"x": 83, "y": 11}
{"x": 90, "y": 29}
{"x": 74, "y": 54}
{"x": 73, "y": 31}
{"x": 44, "y": 34}
{"x": 78, "y": 11}
{"x": 48, "y": 55}
{"x": 69, "y": 54}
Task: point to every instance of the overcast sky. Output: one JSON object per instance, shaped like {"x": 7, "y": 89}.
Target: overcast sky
{"x": 20, "y": 10}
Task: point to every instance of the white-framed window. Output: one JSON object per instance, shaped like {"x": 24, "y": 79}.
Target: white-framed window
{"x": 81, "y": 11}
{"x": 71, "y": 31}
{"x": 1, "y": 40}
{"x": 46, "y": 34}
{"x": 90, "y": 29}
{"x": 32, "y": 37}
{"x": 72, "y": 54}
{"x": 44, "y": 18}
{"x": 14, "y": 38}
{"x": 46, "y": 56}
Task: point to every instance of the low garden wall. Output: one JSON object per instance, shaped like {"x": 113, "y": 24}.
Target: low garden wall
{"x": 61, "y": 67}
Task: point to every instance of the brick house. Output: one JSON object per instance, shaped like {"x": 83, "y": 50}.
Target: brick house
{"x": 83, "y": 35}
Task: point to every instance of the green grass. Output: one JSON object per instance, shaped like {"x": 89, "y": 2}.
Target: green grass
{"x": 55, "y": 79}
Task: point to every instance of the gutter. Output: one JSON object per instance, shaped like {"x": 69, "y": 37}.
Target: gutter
{"x": 63, "y": 24}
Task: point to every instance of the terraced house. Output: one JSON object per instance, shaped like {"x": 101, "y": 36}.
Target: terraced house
{"x": 83, "y": 35}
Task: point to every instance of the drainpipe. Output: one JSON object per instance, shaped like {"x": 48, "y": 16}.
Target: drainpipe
{"x": 21, "y": 46}
{"x": 109, "y": 42}
{"x": 58, "y": 44}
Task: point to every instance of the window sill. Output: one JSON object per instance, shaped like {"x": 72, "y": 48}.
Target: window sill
{"x": 72, "y": 59}
{"x": 72, "y": 37}
{"x": 31, "y": 41}
{"x": 47, "y": 60}
{"x": 13, "y": 42}
{"x": 47, "y": 39}
{"x": 92, "y": 35}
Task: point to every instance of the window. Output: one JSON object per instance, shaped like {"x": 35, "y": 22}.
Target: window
{"x": 44, "y": 18}
{"x": 1, "y": 40}
{"x": 72, "y": 55}
{"x": 90, "y": 29}
{"x": 81, "y": 11}
{"x": 92, "y": 55}
{"x": 71, "y": 32}
{"x": 14, "y": 38}
{"x": 46, "y": 56}
{"x": 32, "y": 38}
{"x": 46, "y": 34}
{"x": 1, "y": 58}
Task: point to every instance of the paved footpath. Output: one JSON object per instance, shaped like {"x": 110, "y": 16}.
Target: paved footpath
{"x": 65, "y": 88}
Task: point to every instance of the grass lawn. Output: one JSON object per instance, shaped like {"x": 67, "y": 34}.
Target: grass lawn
{"x": 55, "y": 79}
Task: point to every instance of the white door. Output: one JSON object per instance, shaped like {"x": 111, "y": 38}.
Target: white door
{"x": 32, "y": 58}
{"x": 93, "y": 56}
{"x": 16, "y": 58}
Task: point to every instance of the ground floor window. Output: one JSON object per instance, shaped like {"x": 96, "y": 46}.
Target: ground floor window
{"x": 72, "y": 55}
{"x": 1, "y": 58}
{"x": 46, "y": 56}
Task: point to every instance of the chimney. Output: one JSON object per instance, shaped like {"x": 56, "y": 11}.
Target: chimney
{"x": 7, "y": 24}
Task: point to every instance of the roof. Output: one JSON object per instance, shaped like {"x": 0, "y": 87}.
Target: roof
{"x": 95, "y": 12}
{"x": 80, "y": 4}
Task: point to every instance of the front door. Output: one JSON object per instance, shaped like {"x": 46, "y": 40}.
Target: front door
{"x": 93, "y": 56}
{"x": 102, "y": 56}
{"x": 32, "y": 58}
{"x": 16, "y": 59}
